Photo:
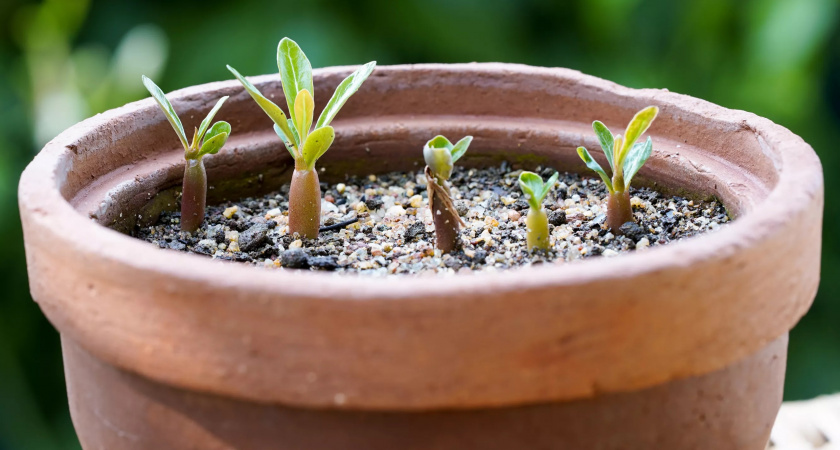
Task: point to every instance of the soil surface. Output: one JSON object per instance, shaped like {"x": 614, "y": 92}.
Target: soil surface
{"x": 382, "y": 225}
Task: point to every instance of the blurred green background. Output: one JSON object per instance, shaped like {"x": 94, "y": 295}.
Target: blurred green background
{"x": 64, "y": 60}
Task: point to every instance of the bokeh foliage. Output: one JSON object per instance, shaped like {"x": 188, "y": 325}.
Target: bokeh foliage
{"x": 63, "y": 60}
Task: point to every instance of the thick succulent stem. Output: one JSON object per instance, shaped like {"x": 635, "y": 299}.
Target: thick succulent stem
{"x": 536, "y": 226}
{"x": 446, "y": 218}
{"x": 619, "y": 211}
{"x": 305, "y": 203}
{"x": 194, "y": 195}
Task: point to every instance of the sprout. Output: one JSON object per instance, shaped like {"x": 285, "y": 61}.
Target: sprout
{"x": 537, "y": 221}
{"x": 207, "y": 140}
{"x": 440, "y": 155}
{"x": 625, "y": 157}
{"x": 304, "y": 145}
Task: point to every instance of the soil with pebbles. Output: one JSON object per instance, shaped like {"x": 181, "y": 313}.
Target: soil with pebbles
{"x": 382, "y": 225}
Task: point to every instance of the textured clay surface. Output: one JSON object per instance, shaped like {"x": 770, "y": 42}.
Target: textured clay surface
{"x": 536, "y": 335}
{"x": 731, "y": 409}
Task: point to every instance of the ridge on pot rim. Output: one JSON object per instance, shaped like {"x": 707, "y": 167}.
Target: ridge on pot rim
{"x": 505, "y": 338}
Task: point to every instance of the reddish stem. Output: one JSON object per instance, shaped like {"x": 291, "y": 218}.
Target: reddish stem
{"x": 619, "y": 211}
{"x": 194, "y": 195}
{"x": 305, "y": 203}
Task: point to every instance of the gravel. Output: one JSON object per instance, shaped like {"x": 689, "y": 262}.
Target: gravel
{"x": 384, "y": 225}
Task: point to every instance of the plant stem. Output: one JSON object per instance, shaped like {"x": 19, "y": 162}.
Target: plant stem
{"x": 194, "y": 195}
{"x": 305, "y": 203}
{"x": 536, "y": 226}
{"x": 619, "y": 211}
{"x": 446, "y": 218}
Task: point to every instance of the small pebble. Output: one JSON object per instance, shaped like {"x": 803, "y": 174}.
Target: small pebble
{"x": 229, "y": 212}
{"x": 557, "y": 217}
{"x": 294, "y": 258}
{"x": 632, "y": 230}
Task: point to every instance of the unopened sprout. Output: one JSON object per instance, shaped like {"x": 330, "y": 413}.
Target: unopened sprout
{"x": 440, "y": 155}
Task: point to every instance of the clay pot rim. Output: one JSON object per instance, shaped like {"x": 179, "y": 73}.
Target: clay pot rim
{"x": 792, "y": 189}
{"x": 557, "y": 333}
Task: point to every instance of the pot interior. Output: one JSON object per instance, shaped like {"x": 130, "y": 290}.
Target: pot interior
{"x": 131, "y": 170}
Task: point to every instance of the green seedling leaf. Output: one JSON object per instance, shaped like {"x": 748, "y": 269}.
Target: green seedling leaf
{"x": 274, "y": 112}
{"x": 636, "y": 158}
{"x": 440, "y": 141}
{"x": 295, "y": 72}
{"x": 207, "y": 120}
{"x": 167, "y": 109}
{"x": 549, "y": 185}
{"x": 317, "y": 144}
{"x": 605, "y": 137}
{"x": 460, "y": 148}
{"x": 343, "y": 92}
{"x": 217, "y": 128}
{"x": 215, "y": 139}
{"x": 212, "y": 145}
{"x": 637, "y": 126}
{"x": 438, "y": 156}
{"x": 293, "y": 130}
{"x": 287, "y": 141}
{"x": 532, "y": 185}
{"x": 304, "y": 107}
{"x": 592, "y": 164}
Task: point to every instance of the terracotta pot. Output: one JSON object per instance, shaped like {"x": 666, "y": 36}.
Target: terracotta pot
{"x": 681, "y": 346}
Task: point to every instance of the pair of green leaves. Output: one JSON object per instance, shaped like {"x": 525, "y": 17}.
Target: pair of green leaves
{"x": 624, "y": 155}
{"x": 441, "y": 155}
{"x": 296, "y": 79}
{"x": 207, "y": 139}
{"x": 532, "y": 185}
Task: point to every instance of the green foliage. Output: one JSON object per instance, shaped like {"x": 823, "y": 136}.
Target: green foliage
{"x": 204, "y": 141}
{"x": 167, "y": 109}
{"x": 343, "y": 92}
{"x": 316, "y": 144}
{"x": 592, "y": 164}
{"x": 637, "y": 126}
{"x": 304, "y": 107}
{"x": 534, "y": 188}
{"x": 215, "y": 139}
{"x": 636, "y": 158}
{"x": 296, "y": 80}
{"x": 295, "y": 73}
{"x": 440, "y": 155}
{"x": 624, "y": 155}
{"x": 607, "y": 143}
{"x": 272, "y": 110}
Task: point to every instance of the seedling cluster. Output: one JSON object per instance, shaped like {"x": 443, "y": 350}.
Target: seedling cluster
{"x": 307, "y": 143}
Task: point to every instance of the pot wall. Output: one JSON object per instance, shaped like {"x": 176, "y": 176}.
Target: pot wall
{"x": 353, "y": 347}
{"x": 731, "y": 409}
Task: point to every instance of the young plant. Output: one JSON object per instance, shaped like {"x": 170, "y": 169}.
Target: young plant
{"x": 304, "y": 143}
{"x": 440, "y": 156}
{"x": 625, "y": 157}
{"x": 536, "y": 223}
{"x": 207, "y": 140}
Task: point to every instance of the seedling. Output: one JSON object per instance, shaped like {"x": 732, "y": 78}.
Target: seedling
{"x": 304, "y": 145}
{"x": 536, "y": 223}
{"x": 207, "y": 140}
{"x": 440, "y": 156}
{"x": 625, "y": 157}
